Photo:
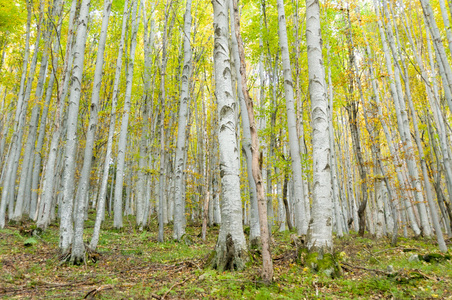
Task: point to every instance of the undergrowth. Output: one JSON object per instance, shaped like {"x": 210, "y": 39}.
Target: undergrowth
{"x": 131, "y": 264}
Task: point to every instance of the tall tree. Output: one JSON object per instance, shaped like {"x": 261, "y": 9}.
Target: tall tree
{"x": 122, "y": 143}
{"x": 179, "y": 205}
{"x": 104, "y": 183}
{"x": 230, "y": 250}
{"x": 320, "y": 238}
{"x": 301, "y": 214}
{"x": 78, "y": 247}
{"x": 267, "y": 270}
{"x": 66, "y": 223}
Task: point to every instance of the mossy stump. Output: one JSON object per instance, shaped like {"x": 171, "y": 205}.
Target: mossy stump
{"x": 319, "y": 262}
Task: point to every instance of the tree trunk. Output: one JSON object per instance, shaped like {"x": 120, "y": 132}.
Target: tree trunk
{"x": 179, "y": 207}
{"x": 230, "y": 251}
{"x": 267, "y": 269}
{"x": 320, "y": 237}
{"x": 300, "y": 212}
{"x": 66, "y": 225}
{"x": 122, "y": 143}
{"x": 334, "y": 183}
{"x": 7, "y": 192}
{"x": 78, "y": 247}
{"x": 103, "y": 188}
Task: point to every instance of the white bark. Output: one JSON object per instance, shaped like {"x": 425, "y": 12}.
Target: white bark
{"x": 402, "y": 120}
{"x": 7, "y": 194}
{"x": 301, "y": 214}
{"x": 231, "y": 244}
{"x": 66, "y": 226}
{"x": 122, "y": 143}
{"x": 78, "y": 247}
{"x": 320, "y": 226}
{"x": 142, "y": 187}
{"x": 34, "y": 178}
{"x": 104, "y": 184}
{"x": 179, "y": 205}
{"x": 48, "y": 182}
{"x": 445, "y": 68}
{"x": 427, "y": 184}
{"x": 246, "y": 141}
{"x": 334, "y": 183}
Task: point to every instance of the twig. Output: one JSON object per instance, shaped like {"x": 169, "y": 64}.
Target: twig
{"x": 177, "y": 283}
{"x": 92, "y": 293}
{"x": 367, "y": 269}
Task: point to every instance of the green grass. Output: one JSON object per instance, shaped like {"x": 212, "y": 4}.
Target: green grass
{"x": 133, "y": 265}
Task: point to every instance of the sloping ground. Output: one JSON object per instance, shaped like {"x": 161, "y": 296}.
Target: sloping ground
{"x": 132, "y": 265}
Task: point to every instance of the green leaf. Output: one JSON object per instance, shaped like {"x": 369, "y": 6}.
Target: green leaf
{"x": 30, "y": 242}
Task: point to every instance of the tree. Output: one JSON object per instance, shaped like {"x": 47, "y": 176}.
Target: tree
{"x": 179, "y": 211}
{"x": 239, "y": 54}
{"x": 320, "y": 238}
{"x": 103, "y": 188}
{"x": 122, "y": 143}
{"x": 301, "y": 214}
{"x": 78, "y": 247}
{"x": 66, "y": 225}
{"x": 230, "y": 251}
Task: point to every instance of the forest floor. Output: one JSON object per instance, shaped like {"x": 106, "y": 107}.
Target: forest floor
{"x": 131, "y": 264}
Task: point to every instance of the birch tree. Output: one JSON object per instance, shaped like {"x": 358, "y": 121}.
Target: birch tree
{"x": 122, "y": 142}
{"x": 78, "y": 247}
{"x": 267, "y": 268}
{"x": 179, "y": 205}
{"x": 319, "y": 237}
{"x": 301, "y": 214}
{"x": 230, "y": 250}
{"x": 104, "y": 183}
{"x": 66, "y": 225}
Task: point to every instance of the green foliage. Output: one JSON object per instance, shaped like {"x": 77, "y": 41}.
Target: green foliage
{"x": 30, "y": 242}
{"x": 12, "y": 15}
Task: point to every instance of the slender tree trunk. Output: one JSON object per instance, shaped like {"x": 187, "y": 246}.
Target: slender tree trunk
{"x": 445, "y": 68}
{"x": 230, "y": 251}
{"x": 66, "y": 225}
{"x": 334, "y": 183}
{"x": 122, "y": 143}
{"x": 255, "y": 233}
{"x": 179, "y": 212}
{"x": 48, "y": 181}
{"x": 267, "y": 269}
{"x": 403, "y": 122}
{"x": 301, "y": 215}
{"x": 104, "y": 184}
{"x": 8, "y": 168}
{"x": 78, "y": 247}
{"x": 320, "y": 237}
{"x": 142, "y": 195}
{"x": 284, "y": 199}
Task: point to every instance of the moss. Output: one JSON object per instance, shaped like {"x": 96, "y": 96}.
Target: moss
{"x": 325, "y": 263}
{"x": 246, "y": 230}
{"x": 311, "y": 260}
{"x": 187, "y": 240}
{"x": 211, "y": 259}
{"x": 434, "y": 257}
